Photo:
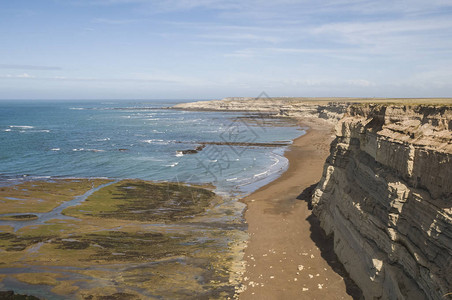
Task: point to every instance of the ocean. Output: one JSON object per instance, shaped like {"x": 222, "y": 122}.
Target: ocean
{"x": 137, "y": 139}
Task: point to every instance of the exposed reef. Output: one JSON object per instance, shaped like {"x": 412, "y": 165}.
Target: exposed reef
{"x": 130, "y": 239}
{"x": 386, "y": 196}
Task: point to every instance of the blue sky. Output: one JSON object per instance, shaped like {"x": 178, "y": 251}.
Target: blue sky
{"x": 202, "y": 49}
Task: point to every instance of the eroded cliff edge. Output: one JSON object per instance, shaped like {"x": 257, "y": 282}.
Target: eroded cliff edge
{"x": 329, "y": 110}
{"x": 386, "y": 195}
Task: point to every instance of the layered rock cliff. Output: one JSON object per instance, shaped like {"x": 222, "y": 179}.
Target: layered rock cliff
{"x": 386, "y": 196}
{"x": 327, "y": 110}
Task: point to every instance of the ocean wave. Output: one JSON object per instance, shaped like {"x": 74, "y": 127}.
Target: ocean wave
{"x": 172, "y": 165}
{"x": 88, "y": 150}
{"x": 21, "y": 126}
{"x": 152, "y": 141}
{"x": 7, "y": 130}
{"x": 179, "y": 153}
{"x": 102, "y": 140}
{"x": 95, "y": 150}
{"x": 261, "y": 174}
{"x": 77, "y": 108}
{"x": 55, "y": 149}
{"x": 157, "y": 141}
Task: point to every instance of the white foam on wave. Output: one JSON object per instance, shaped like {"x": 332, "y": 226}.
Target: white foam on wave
{"x": 152, "y": 141}
{"x": 7, "y": 130}
{"x": 253, "y": 181}
{"x": 172, "y": 165}
{"x": 179, "y": 153}
{"x": 55, "y": 149}
{"x": 77, "y": 108}
{"x": 95, "y": 150}
{"x": 89, "y": 150}
{"x": 261, "y": 174}
{"x": 102, "y": 140}
{"x": 21, "y": 126}
{"x": 156, "y": 141}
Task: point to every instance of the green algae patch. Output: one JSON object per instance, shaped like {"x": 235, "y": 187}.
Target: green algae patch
{"x": 38, "y": 278}
{"x": 130, "y": 239}
{"x": 144, "y": 201}
{"x": 43, "y": 196}
{"x": 66, "y": 287}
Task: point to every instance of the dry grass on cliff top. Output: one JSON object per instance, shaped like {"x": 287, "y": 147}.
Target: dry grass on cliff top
{"x": 407, "y": 101}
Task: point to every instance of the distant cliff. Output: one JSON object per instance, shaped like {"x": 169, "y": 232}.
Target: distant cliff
{"x": 386, "y": 195}
{"x": 327, "y": 110}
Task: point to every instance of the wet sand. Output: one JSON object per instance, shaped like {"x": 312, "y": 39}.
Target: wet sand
{"x": 288, "y": 256}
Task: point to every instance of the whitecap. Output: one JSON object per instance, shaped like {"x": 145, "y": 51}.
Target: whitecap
{"x": 7, "y": 130}
{"x": 231, "y": 179}
{"x": 77, "y": 108}
{"x": 95, "y": 150}
{"x": 21, "y": 126}
{"x": 151, "y": 141}
{"x": 55, "y": 149}
{"x": 81, "y": 149}
{"x": 179, "y": 153}
{"x": 172, "y": 165}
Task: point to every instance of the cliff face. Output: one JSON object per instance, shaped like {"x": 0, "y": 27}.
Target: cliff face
{"x": 284, "y": 107}
{"x": 386, "y": 195}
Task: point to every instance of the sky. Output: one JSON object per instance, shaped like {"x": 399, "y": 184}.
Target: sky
{"x": 210, "y": 49}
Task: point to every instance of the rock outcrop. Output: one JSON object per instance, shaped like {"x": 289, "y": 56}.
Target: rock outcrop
{"x": 386, "y": 196}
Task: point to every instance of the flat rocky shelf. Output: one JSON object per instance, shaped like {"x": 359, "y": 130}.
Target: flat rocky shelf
{"x": 129, "y": 239}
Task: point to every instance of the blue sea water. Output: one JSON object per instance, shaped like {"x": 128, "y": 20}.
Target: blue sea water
{"x": 132, "y": 139}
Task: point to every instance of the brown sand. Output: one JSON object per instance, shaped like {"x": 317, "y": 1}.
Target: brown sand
{"x": 287, "y": 251}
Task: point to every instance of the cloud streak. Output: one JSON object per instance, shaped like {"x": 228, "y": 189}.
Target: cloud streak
{"x": 29, "y": 67}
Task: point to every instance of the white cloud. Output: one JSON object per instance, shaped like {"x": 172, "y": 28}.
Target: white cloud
{"x": 17, "y": 76}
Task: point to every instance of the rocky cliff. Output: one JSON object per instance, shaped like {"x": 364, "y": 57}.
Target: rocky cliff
{"x": 327, "y": 110}
{"x": 386, "y": 196}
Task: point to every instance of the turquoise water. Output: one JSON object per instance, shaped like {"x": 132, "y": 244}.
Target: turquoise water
{"x": 129, "y": 139}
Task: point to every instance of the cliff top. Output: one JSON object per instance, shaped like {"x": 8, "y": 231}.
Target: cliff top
{"x": 322, "y": 100}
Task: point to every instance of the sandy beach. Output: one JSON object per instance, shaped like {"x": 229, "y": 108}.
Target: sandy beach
{"x": 288, "y": 256}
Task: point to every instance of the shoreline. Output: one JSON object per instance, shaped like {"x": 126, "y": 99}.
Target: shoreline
{"x": 288, "y": 255}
